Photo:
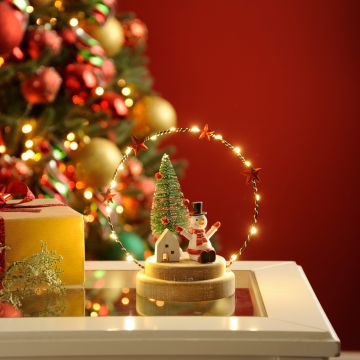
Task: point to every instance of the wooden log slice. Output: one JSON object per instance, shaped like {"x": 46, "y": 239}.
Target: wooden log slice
{"x": 185, "y": 270}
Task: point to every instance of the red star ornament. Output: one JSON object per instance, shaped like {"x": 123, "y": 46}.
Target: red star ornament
{"x": 252, "y": 174}
{"x": 137, "y": 145}
{"x": 164, "y": 220}
{"x": 205, "y": 133}
{"x": 109, "y": 197}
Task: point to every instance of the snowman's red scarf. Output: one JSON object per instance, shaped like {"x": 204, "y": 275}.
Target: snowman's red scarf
{"x": 200, "y": 236}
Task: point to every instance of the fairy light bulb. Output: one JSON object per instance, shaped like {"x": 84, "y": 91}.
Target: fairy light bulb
{"x": 233, "y": 257}
{"x": 172, "y": 129}
{"x": 237, "y": 150}
{"x": 2, "y": 149}
{"x": 121, "y": 167}
{"x": 113, "y": 236}
{"x": 74, "y": 22}
{"x": 26, "y": 128}
{"x": 247, "y": 163}
{"x": 73, "y": 145}
{"x": 153, "y": 138}
{"x": 119, "y": 209}
{"x": 88, "y": 194}
{"x": 29, "y": 144}
{"x": 195, "y": 129}
{"x": 257, "y": 197}
{"x": 29, "y": 9}
{"x": 129, "y": 257}
{"x": 128, "y": 150}
{"x": 108, "y": 210}
{"x": 70, "y": 136}
{"x": 218, "y": 137}
{"x": 253, "y": 230}
{"x": 126, "y": 91}
{"x": 99, "y": 91}
{"x": 129, "y": 102}
{"x": 30, "y": 154}
{"x": 113, "y": 184}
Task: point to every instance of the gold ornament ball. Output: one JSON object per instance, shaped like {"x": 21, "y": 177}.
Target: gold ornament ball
{"x": 110, "y": 35}
{"x": 96, "y": 162}
{"x": 153, "y": 114}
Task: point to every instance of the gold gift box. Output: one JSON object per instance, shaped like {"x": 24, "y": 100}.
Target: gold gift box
{"x": 60, "y": 227}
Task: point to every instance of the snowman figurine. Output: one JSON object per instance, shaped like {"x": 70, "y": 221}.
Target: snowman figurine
{"x": 200, "y": 248}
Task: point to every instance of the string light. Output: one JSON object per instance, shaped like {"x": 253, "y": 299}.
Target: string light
{"x": 126, "y": 91}
{"x": 70, "y": 136}
{"x": 74, "y": 145}
{"x": 58, "y": 4}
{"x": 88, "y": 194}
{"x": 29, "y": 144}
{"x": 108, "y": 210}
{"x": 2, "y": 61}
{"x": 27, "y": 128}
{"x": 121, "y": 82}
{"x": 74, "y": 22}
{"x": 119, "y": 209}
{"x": 99, "y": 91}
{"x": 194, "y": 129}
{"x": 29, "y": 9}
{"x": 24, "y": 156}
{"x": 253, "y": 230}
{"x": 113, "y": 235}
{"x": 125, "y": 301}
{"x": 2, "y": 149}
{"x": 129, "y": 102}
{"x": 96, "y": 306}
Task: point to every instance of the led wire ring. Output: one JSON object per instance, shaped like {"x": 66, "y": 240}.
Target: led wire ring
{"x": 215, "y": 136}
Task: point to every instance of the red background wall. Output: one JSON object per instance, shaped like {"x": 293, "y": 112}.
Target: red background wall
{"x": 281, "y": 79}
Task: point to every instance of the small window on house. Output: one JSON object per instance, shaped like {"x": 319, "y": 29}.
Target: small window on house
{"x": 172, "y": 251}
{"x": 166, "y": 245}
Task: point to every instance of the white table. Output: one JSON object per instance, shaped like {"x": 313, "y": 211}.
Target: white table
{"x": 291, "y": 325}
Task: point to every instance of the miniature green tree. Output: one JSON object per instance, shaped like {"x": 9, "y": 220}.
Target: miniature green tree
{"x": 168, "y": 208}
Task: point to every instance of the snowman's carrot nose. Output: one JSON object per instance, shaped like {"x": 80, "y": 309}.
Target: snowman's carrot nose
{"x": 201, "y": 222}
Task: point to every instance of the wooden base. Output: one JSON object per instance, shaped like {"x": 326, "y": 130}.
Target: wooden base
{"x": 185, "y": 270}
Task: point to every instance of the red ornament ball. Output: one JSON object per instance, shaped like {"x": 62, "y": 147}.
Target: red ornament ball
{"x": 11, "y": 29}
{"x": 40, "y": 39}
{"x": 9, "y": 311}
{"x": 42, "y": 87}
{"x": 135, "y": 31}
{"x": 164, "y": 220}
{"x": 158, "y": 176}
{"x": 112, "y": 104}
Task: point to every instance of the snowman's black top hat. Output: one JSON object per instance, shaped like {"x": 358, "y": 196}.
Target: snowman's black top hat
{"x": 197, "y": 206}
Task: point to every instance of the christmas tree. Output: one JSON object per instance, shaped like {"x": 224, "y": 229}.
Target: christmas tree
{"x": 169, "y": 206}
{"x": 74, "y": 88}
